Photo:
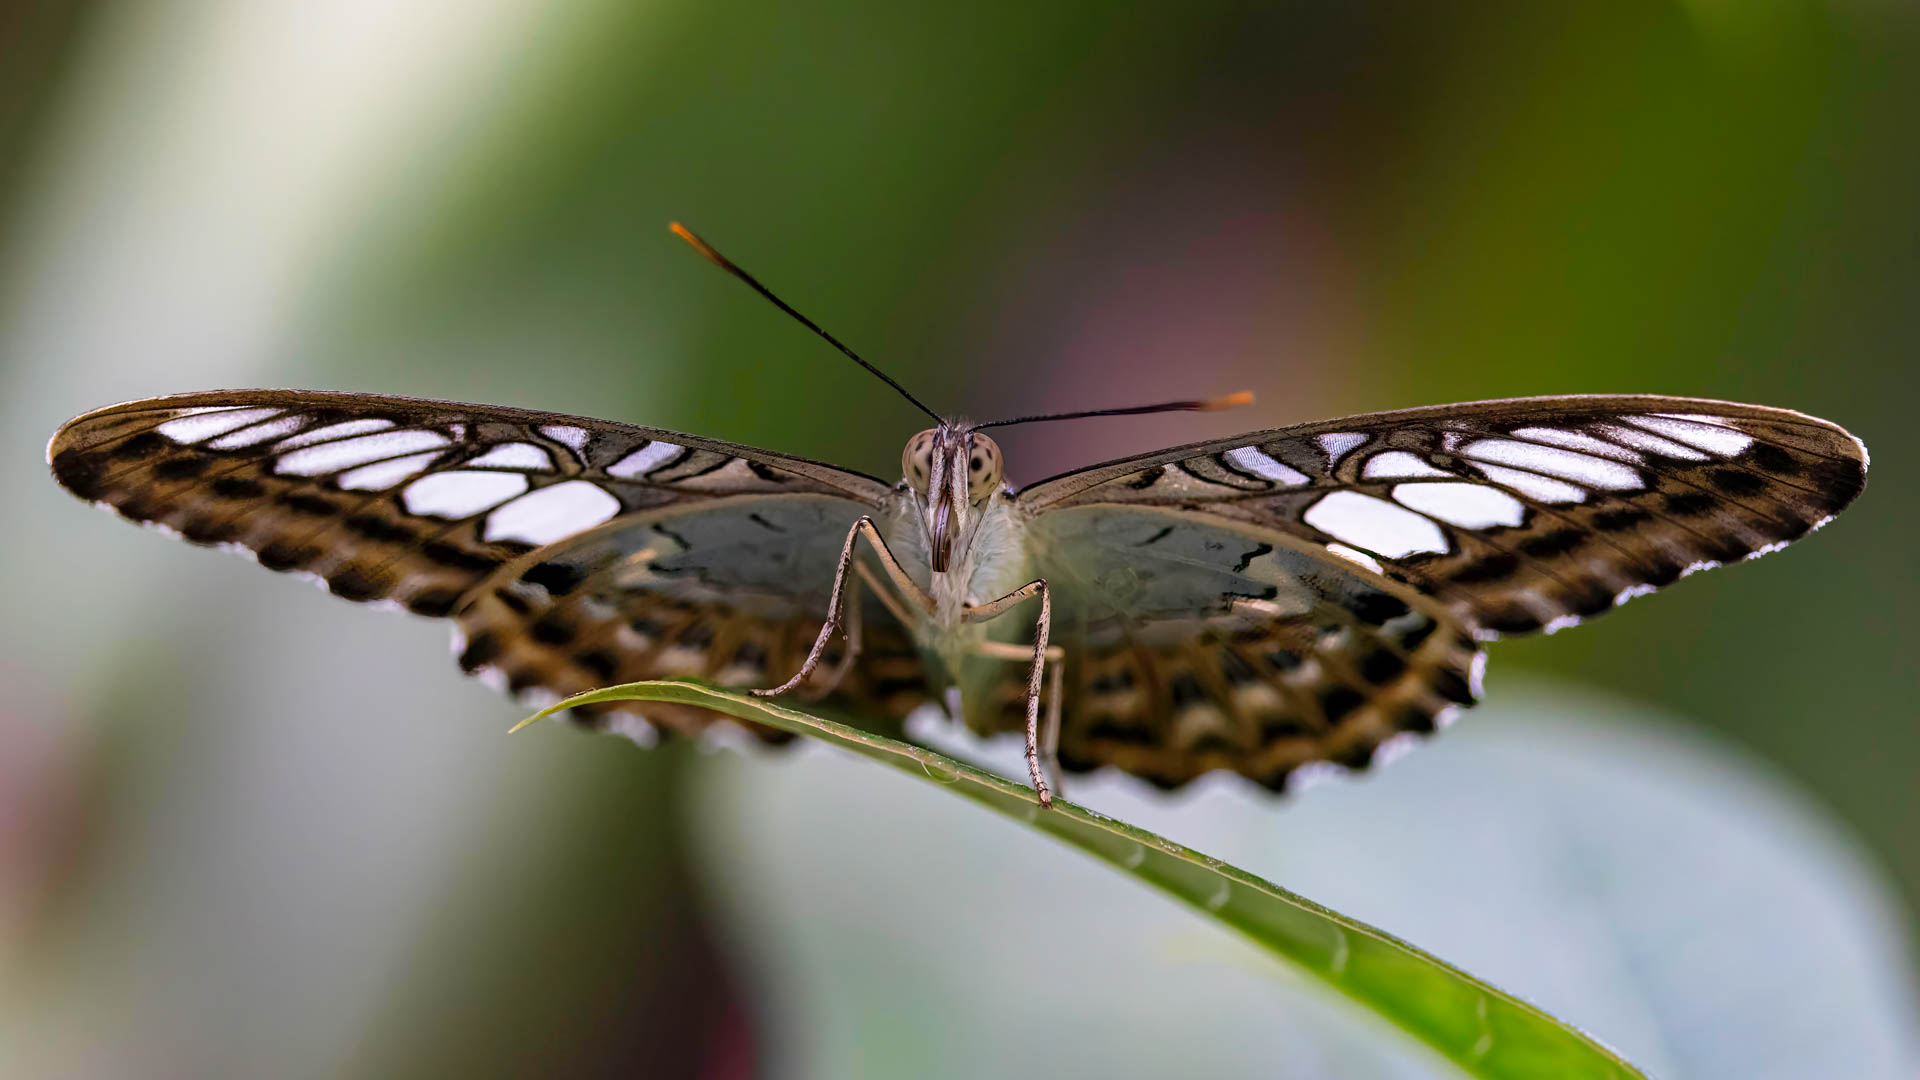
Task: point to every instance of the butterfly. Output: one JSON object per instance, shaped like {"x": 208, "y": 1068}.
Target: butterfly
{"x": 1257, "y": 604}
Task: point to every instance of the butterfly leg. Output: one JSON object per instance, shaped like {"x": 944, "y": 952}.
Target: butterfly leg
{"x": 1050, "y": 734}
{"x": 853, "y": 639}
{"x": 994, "y": 608}
{"x": 887, "y": 599}
{"x": 836, "y": 608}
{"x": 1050, "y": 729}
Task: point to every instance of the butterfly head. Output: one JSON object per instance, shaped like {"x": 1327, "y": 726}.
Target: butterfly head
{"x": 955, "y": 471}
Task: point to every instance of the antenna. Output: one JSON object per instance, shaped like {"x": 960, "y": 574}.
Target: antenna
{"x": 1229, "y": 401}
{"x": 724, "y": 263}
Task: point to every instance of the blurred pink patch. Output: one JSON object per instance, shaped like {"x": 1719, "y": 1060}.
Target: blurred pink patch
{"x": 731, "y": 1051}
{"x": 42, "y": 809}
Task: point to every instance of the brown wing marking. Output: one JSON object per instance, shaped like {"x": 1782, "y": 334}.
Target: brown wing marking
{"x": 642, "y": 598}
{"x": 1259, "y": 697}
{"x": 1196, "y": 643}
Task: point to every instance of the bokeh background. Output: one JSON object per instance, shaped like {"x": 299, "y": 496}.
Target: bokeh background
{"x": 247, "y": 829}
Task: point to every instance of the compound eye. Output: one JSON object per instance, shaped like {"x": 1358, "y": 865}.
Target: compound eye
{"x": 916, "y": 461}
{"x": 984, "y": 467}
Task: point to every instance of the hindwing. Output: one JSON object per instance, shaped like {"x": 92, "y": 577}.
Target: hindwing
{"x": 1193, "y": 643}
{"x": 731, "y": 590}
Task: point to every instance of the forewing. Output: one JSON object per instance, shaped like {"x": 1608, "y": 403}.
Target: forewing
{"x": 399, "y": 499}
{"x": 1517, "y": 515}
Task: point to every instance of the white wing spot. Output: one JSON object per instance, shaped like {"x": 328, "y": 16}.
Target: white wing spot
{"x": 1700, "y": 432}
{"x": 257, "y": 433}
{"x": 1535, "y": 486}
{"x": 335, "y": 431}
{"x": 1554, "y": 461}
{"x": 575, "y": 437}
{"x": 1252, "y": 459}
{"x": 1394, "y": 748}
{"x": 1312, "y": 775}
{"x": 1633, "y": 592}
{"x": 382, "y": 475}
{"x": 1648, "y": 442}
{"x": 1559, "y": 623}
{"x": 241, "y": 550}
{"x": 1338, "y": 443}
{"x": 205, "y": 425}
{"x": 644, "y": 460}
{"x": 1470, "y": 506}
{"x": 1399, "y": 465}
{"x": 516, "y": 455}
{"x": 1358, "y": 558}
{"x": 364, "y": 450}
{"x": 1376, "y": 525}
{"x": 1477, "y": 676}
{"x": 460, "y": 494}
{"x": 160, "y": 527}
{"x": 552, "y": 513}
{"x": 1575, "y": 440}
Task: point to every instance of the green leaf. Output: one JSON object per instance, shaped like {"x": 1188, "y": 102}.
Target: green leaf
{"x": 1483, "y": 1029}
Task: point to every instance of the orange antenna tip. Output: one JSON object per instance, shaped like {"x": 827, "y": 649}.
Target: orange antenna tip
{"x": 705, "y": 249}
{"x": 1230, "y": 401}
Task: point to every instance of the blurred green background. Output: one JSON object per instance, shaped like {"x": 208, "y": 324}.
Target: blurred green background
{"x": 246, "y": 829}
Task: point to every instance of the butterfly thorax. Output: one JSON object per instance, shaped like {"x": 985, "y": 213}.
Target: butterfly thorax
{"x": 988, "y": 561}
{"x": 955, "y": 529}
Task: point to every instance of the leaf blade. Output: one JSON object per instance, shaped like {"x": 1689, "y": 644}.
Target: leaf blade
{"x": 1484, "y": 1030}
